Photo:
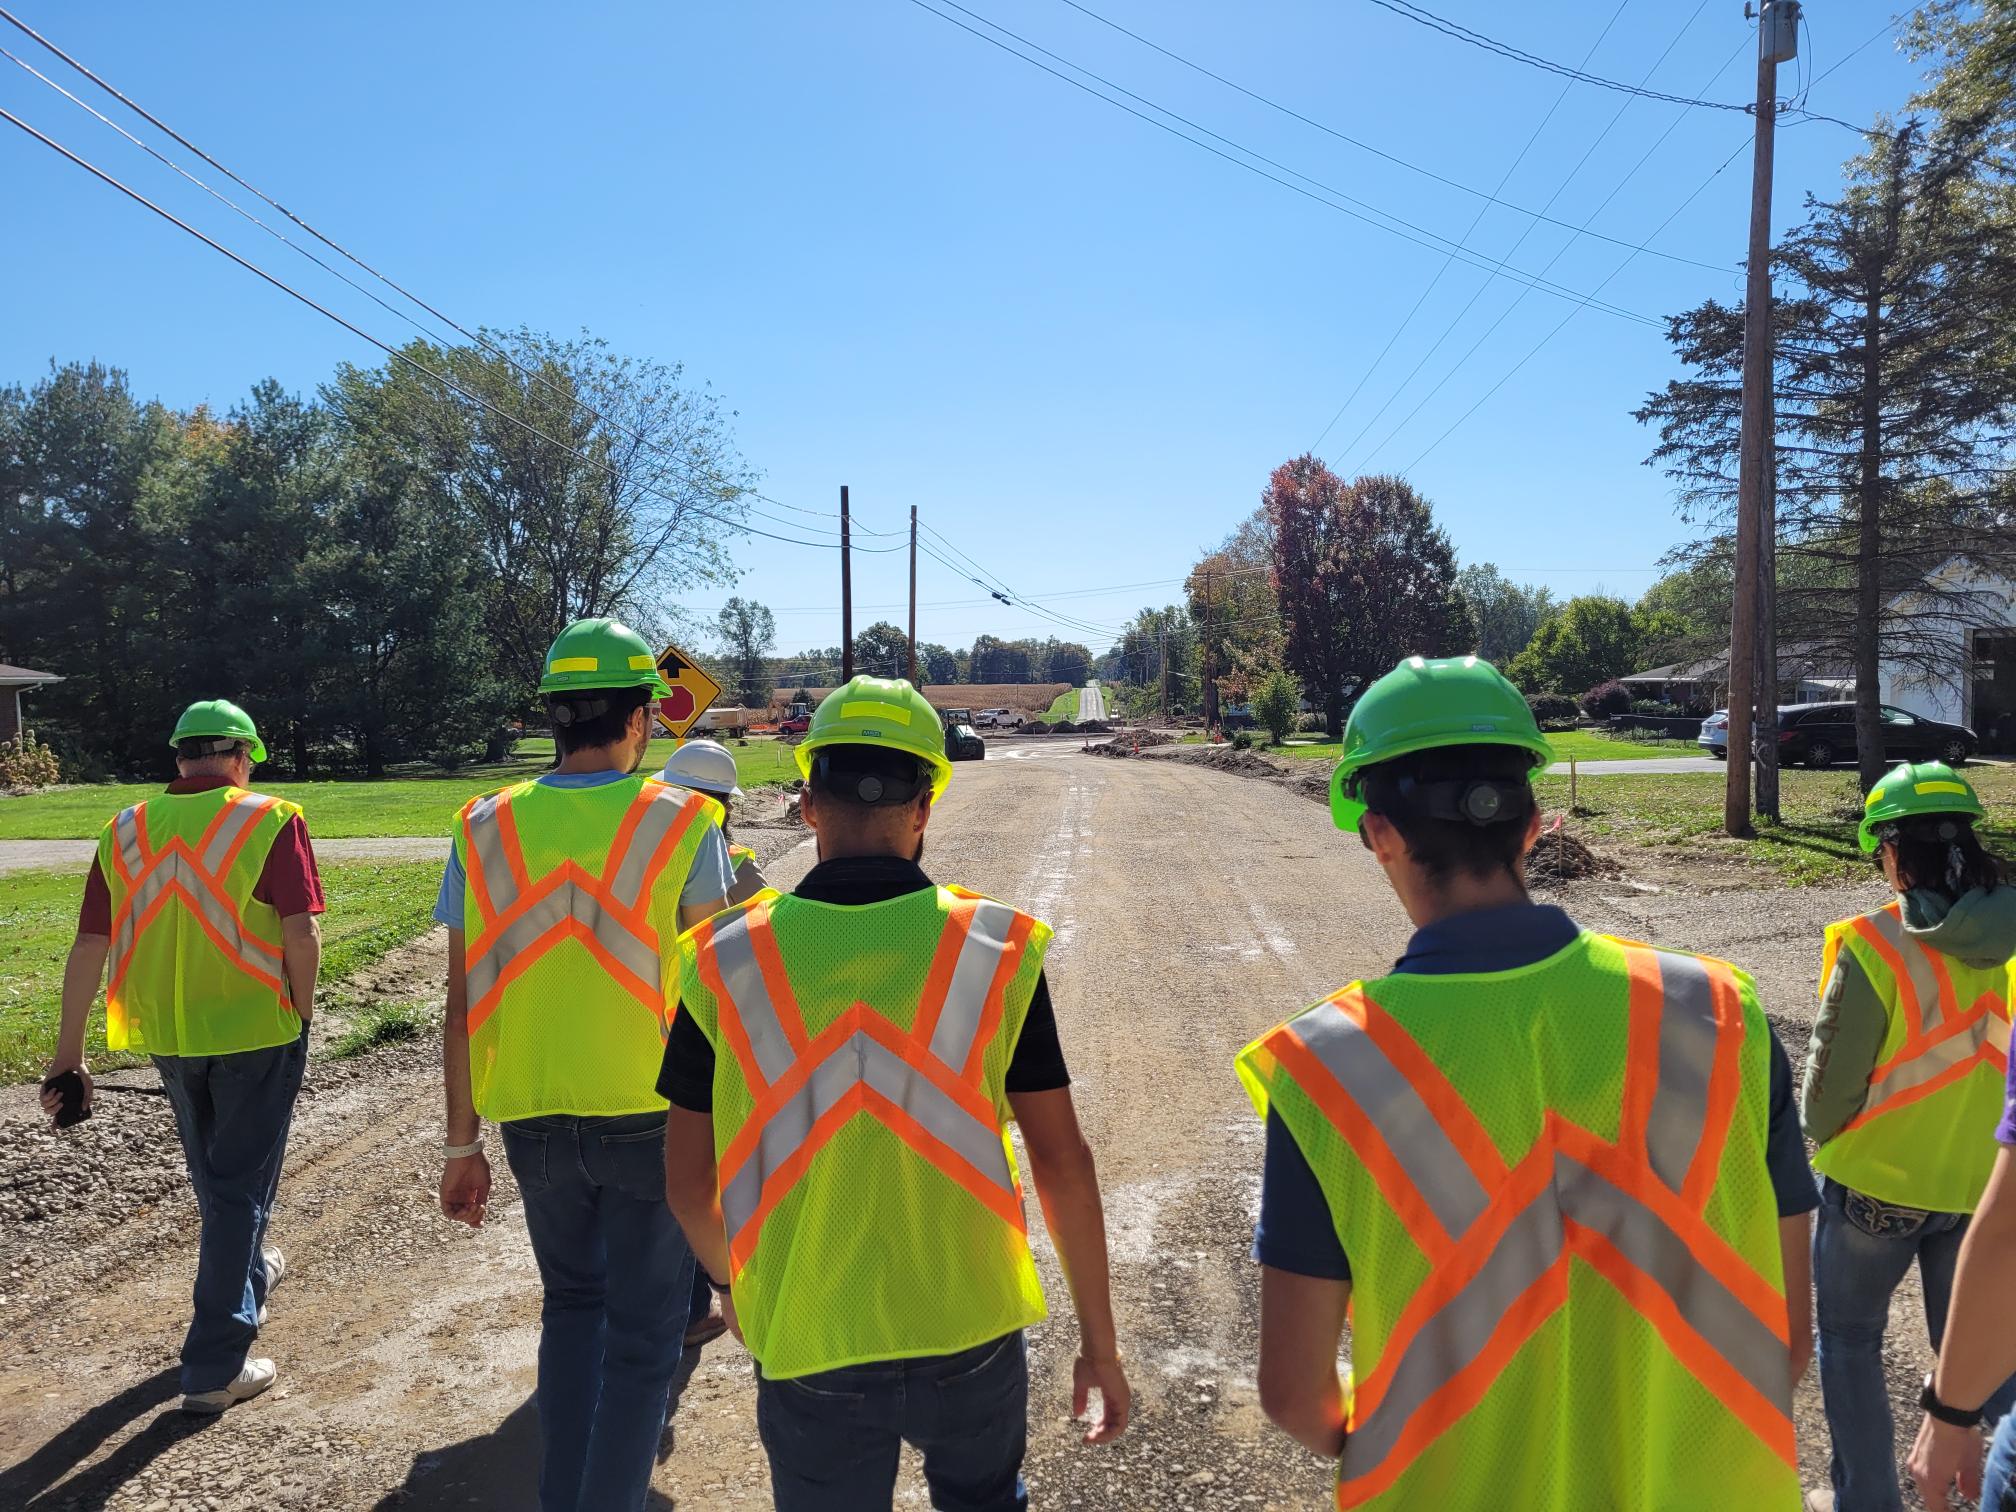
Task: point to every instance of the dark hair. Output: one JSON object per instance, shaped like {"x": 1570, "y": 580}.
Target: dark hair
{"x": 202, "y": 747}
{"x": 591, "y": 720}
{"x": 866, "y": 776}
{"x": 1459, "y": 809}
{"x": 1941, "y": 852}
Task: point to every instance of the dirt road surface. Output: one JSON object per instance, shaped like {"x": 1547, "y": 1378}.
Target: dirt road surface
{"x": 1193, "y": 910}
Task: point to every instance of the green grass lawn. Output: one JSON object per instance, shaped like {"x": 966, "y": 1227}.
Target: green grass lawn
{"x": 1583, "y": 745}
{"x": 374, "y": 908}
{"x": 1814, "y": 844}
{"x": 421, "y": 804}
{"x": 1063, "y": 706}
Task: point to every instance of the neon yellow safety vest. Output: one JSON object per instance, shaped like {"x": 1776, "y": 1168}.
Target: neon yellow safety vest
{"x": 196, "y": 964}
{"x": 572, "y": 910}
{"x": 1925, "y": 1137}
{"x": 740, "y": 856}
{"x": 1566, "y": 1283}
{"x": 860, "y": 1114}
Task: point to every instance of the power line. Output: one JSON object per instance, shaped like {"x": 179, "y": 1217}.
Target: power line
{"x": 1424, "y": 238}
{"x": 389, "y": 350}
{"x": 1490, "y": 196}
{"x": 1469, "y": 231}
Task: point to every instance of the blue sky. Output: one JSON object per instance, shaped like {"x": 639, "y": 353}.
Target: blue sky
{"x": 918, "y": 266}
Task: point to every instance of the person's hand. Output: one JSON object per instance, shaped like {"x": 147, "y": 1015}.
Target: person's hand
{"x": 1116, "y": 1397}
{"x": 52, "y": 1101}
{"x": 1945, "y": 1457}
{"x": 465, "y": 1188}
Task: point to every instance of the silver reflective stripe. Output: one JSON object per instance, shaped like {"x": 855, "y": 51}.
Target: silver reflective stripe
{"x": 857, "y": 1059}
{"x": 171, "y": 869}
{"x": 1938, "y": 1059}
{"x": 734, "y": 952}
{"x": 664, "y": 810}
{"x": 1687, "y": 1037}
{"x": 237, "y": 818}
{"x": 486, "y": 838}
{"x": 1917, "y": 966}
{"x": 1709, "y": 1308}
{"x": 972, "y": 979}
{"x": 1424, "y": 1151}
{"x": 1464, "y": 1326}
{"x": 532, "y": 927}
{"x": 126, "y": 831}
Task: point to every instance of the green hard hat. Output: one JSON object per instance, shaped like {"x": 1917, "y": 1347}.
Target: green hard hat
{"x": 879, "y": 711}
{"x": 1427, "y": 702}
{"x": 1915, "y": 787}
{"x": 601, "y": 653}
{"x": 218, "y": 719}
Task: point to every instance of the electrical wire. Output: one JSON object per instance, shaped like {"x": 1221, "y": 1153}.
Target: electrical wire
{"x": 1489, "y": 196}
{"x": 1432, "y": 240}
{"x": 391, "y": 351}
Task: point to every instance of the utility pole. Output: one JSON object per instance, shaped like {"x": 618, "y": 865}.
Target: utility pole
{"x": 1209, "y": 692}
{"x": 1767, "y": 617}
{"x": 846, "y": 594}
{"x": 1777, "y": 39}
{"x": 913, "y": 596}
{"x": 1162, "y": 664}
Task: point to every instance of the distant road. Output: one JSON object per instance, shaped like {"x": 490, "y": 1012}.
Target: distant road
{"x": 1091, "y": 702}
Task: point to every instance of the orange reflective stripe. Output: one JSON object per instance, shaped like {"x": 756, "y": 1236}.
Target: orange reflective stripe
{"x": 1725, "y": 1085}
{"x": 1431, "y": 1086}
{"x": 945, "y": 961}
{"x": 514, "y": 853}
{"x": 769, "y": 961}
{"x": 554, "y": 912}
{"x": 708, "y": 964}
{"x": 996, "y": 1002}
{"x": 472, "y": 862}
{"x": 1907, "y": 989}
{"x": 1641, "y": 1055}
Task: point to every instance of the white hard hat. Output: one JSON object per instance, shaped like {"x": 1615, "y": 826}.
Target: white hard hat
{"x": 704, "y": 765}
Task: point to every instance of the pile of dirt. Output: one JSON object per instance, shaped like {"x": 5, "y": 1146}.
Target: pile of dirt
{"x": 1063, "y": 727}
{"x": 1094, "y": 727}
{"x": 1311, "y": 779}
{"x": 1132, "y": 742}
{"x": 1558, "y": 856}
{"x": 1035, "y": 727}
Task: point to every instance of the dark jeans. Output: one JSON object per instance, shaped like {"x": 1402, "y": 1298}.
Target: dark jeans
{"x": 1861, "y": 1250}
{"x": 233, "y": 1112}
{"x": 618, "y": 1276}
{"x": 833, "y": 1438}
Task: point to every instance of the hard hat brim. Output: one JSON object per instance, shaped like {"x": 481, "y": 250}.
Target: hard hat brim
{"x": 941, "y": 769}
{"x": 1347, "y": 812}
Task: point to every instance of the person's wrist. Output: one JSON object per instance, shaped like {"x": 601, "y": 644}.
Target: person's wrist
{"x": 1945, "y": 1412}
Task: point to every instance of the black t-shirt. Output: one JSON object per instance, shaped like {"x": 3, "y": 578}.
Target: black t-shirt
{"x": 1037, "y": 1064}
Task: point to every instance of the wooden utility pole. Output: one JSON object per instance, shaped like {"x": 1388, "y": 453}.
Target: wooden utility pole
{"x": 1162, "y": 664}
{"x": 846, "y": 594}
{"x": 1777, "y": 39}
{"x": 913, "y": 596}
{"x": 1767, "y": 616}
{"x": 1209, "y": 691}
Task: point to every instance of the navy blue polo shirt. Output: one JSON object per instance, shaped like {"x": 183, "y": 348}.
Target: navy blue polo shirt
{"x": 1295, "y": 1232}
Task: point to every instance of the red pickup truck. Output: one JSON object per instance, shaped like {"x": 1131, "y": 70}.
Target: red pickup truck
{"x": 794, "y": 724}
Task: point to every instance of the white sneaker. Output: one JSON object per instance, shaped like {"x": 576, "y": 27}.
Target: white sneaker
{"x": 1821, "y": 1500}
{"x": 253, "y": 1378}
{"x": 265, "y": 1311}
{"x": 276, "y": 1265}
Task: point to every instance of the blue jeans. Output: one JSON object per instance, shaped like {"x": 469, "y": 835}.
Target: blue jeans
{"x": 1998, "y": 1480}
{"x": 618, "y": 1275}
{"x": 233, "y": 1113}
{"x": 833, "y": 1438}
{"x": 1861, "y": 1250}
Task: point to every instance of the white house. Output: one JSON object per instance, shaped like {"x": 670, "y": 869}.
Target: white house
{"x": 1972, "y": 680}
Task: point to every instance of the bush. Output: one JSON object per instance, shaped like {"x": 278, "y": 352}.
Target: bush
{"x": 1551, "y": 707}
{"x": 1605, "y": 699}
{"x": 1313, "y": 724}
{"x": 1242, "y": 740}
{"x": 24, "y": 763}
{"x": 1277, "y": 702}
{"x": 1654, "y": 709}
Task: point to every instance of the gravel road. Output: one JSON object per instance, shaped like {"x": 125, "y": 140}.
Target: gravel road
{"x": 1193, "y": 910}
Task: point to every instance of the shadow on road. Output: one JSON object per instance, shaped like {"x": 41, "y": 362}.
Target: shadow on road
{"x": 498, "y": 1471}
{"x": 33, "y": 1484}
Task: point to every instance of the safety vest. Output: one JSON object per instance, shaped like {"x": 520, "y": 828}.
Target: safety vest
{"x": 870, "y": 1195}
{"x": 1925, "y": 1137}
{"x": 573, "y": 910}
{"x": 196, "y": 965}
{"x": 1566, "y": 1282}
{"x": 740, "y": 856}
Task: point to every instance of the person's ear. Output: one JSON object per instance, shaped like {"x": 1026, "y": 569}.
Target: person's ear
{"x": 808, "y": 809}
{"x": 922, "y": 814}
{"x": 1382, "y": 838}
{"x": 1532, "y": 831}
{"x": 640, "y": 720}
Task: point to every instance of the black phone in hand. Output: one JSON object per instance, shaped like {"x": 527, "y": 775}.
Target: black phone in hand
{"x": 69, "y": 1087}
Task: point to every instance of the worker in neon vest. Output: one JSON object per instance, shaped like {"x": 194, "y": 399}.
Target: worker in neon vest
{"x": 707, "y": 766}
{"x": 1903, "y": 1089}
{"x": 842, "y": 1070}
{"x": 205, "y": 900}
{"x": 1556, "y": 1176}
{"x": 563, "y": 899}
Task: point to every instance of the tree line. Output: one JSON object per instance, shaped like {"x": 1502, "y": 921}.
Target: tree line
{"x": 375, "y": 571}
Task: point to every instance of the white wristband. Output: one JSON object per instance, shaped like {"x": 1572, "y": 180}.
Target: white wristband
{"x": 460, "y": 1152}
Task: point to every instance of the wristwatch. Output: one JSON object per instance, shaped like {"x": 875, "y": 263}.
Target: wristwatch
{"x": 1953, "y": 1417}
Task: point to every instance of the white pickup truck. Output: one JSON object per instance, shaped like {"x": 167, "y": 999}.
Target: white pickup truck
{"x": 998, "y": 719}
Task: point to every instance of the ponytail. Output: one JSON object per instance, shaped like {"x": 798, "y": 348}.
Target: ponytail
{"x": 1941, "y": 852}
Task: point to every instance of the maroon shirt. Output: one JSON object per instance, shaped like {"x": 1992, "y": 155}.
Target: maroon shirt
{"x": 289, "y": 884}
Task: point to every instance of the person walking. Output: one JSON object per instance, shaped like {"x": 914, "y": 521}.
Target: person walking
{"x": 842, "y": 1070}
{"x": 1555, "y": 1176}
{"x": 707, "y": 766}
{"x": 1903, "y": 1087}
{"x": 203, "y": 899}
{"x": 563, "y": 899}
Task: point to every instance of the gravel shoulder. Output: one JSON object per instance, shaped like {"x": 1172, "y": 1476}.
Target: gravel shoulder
{"x": 406, "y": 1343}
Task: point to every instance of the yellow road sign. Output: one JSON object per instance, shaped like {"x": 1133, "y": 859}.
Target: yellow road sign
{"x": 693, "y": 692}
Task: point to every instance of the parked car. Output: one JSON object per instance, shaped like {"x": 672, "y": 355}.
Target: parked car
{"x": 1714, "y": 736}
{"x": 794, "y": 724}
{"x": 998, "y": 719}
{"x": 963, "y": 743}
{"x": 1821, "y": 734}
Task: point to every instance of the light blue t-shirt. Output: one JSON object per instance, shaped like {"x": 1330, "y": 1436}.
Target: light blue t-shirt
{"x": 711, "y": 877}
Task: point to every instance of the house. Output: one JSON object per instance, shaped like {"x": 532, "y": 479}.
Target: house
{"x": 14, "y": 681}
{"x": 1807, "y": 673}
